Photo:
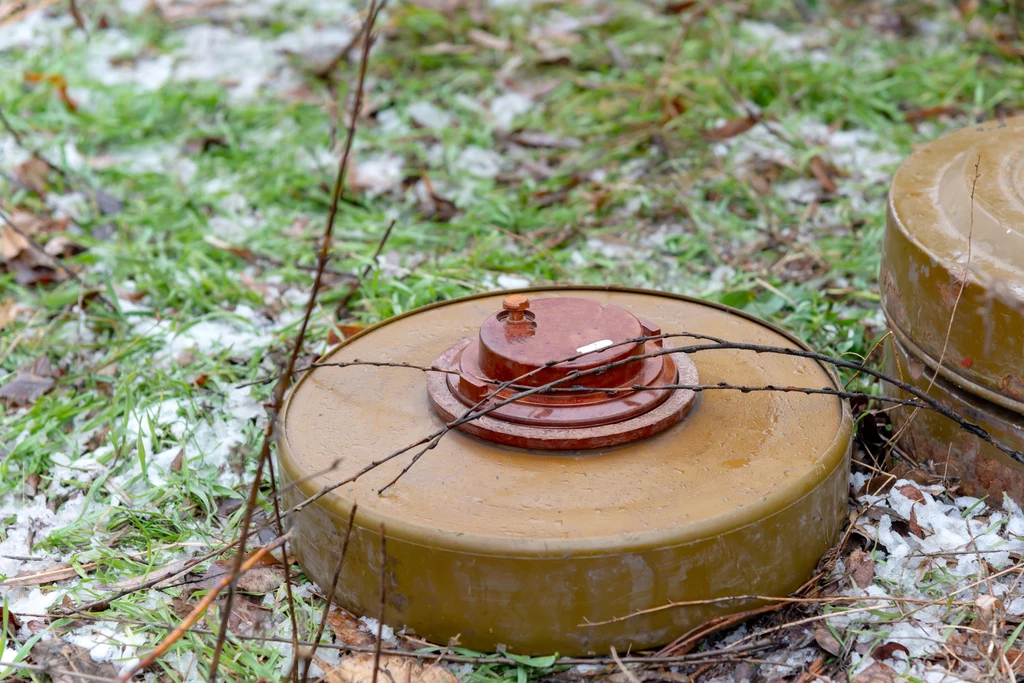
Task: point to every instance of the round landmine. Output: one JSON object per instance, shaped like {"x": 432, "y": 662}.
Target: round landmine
{"x": 952, "y": 274}
{"x": 977, "y": 466}
{"x": 544, "y": 550}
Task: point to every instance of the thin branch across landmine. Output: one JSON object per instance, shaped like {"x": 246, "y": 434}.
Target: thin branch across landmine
{"x": 480, "y": 409}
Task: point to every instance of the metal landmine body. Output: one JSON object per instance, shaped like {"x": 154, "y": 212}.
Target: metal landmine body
{"x": 540, "y": 525}
{"x": 952, "y": 282}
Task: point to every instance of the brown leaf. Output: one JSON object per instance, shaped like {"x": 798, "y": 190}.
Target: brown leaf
{"x": 8, "y": 312}
{"x": 28, "y": 385}
{"x": 877, "y": 485}
{"x": 133, "y": 582}
{"x": 62, "y": 246}
{"x": 1016, "y": 660}
{"x": 202, "y": 144}
{"x": 12, "y": 244}
{"x": 876, "y": 673}
{"x": 58, "y": 82}
{"x": 345, "y": 330}
{"x": 730, "y": 129}
{"x": 861, "y": 567}
{"x": 1010, "y": 50}
{"x": 243, "y": 253}
{"x": 822, "y": 173}
{"x": 33, "y": 174}
{"x": 828, "y": 642}
{"x": 66, "y": 663}
{"x": 359, "y": 669}
{"x": 922, "y": 477}
{"x": 912, "y": 492}
{"x": 987, "y": 606}
{"x": 258, "y": 580}
{"x": 488, "y": 40}
{"x": 247, "y": 614}
{"x": 915, "y": 528}
{"x": 346, "y": 627}
{"x": 679, "y": 6}
{"x": 445, "y": 48}
{"x": 541, "y": 140}
{"x": 925, "y": 113}
{"x": 886, "y": 650}
{"x": 40, "y": 577}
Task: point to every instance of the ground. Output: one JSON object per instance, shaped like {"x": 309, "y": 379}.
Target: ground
{"x": 177, "y": 158}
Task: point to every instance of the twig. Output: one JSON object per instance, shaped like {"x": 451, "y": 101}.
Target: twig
{"x": 331, "y": 590}
{"x": 105, "y": 602}
{"x": 200, "y": 609}
{"x": 383, "y": 603}
{"x": 622, "y": 667}
{"x": 354, "y": 287}
{"x": 965, "y": 276}
{"x": 717, "y": 344}
{"x": 837, "y": 599}
{"x": 290, "y": 597}
{"x": 282, "y": 386}
{"x": 78, "y": 16}
{"x": 346, "y": 364}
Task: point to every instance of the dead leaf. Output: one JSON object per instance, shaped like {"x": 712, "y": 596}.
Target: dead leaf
{"x": 730, "y": 129}
{"x": 920, "y": 476}
{"x": 918, "y": 115}
{"x": 912, "y": 492}
{"x": 41, "y": 577}
{"x": 877, "y": 484}
{"x": 861, "y": 567}
{"x": 876, "y": 673}
{"x": 346, "y": 627}
{"x": 1010, "y": 50}
{"x": 822, "y": 173}
{"x": 247, "y": 614}
{"x": 678, "y": 7}
{"x": 12, "y": 243}
{"x": 828, "y": 642}
{"x": 359, "y": 669}
{"x": 540, "y": 140}
{"x": 28, "y": 385}
{"x": 134, "y": 582}
{"x": 987, "y": 606}
{"x": 58, "y": 82}
{"x": 444, "y": 48}
{"x": 247, "y": 255}
{"x": 62, "y": 246}
{"x": 202, "y": 144}
{"x": 488, "y": 40}
{"x": 33, "y": 174}
{"x": 915, "y": 528}
{"x": 67, "y": 663}
{"x": 8, "y": 312}
{"x": 1016, "y": 660}
{"x": 885, "y": 651}
{"x": 258, "y": 580}
{"x": 346, "y": 332}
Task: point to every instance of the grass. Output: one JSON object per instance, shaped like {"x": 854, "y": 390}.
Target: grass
{"x": 644, "y": 200}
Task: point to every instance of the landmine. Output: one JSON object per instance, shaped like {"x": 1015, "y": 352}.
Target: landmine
{"x": 559, "y": 520}
{"x": 952, "y": 281}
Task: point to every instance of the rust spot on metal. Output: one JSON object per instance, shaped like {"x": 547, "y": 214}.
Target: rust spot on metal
{"x": 966, "y": 362}
{"x": 1014, "y": 386}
